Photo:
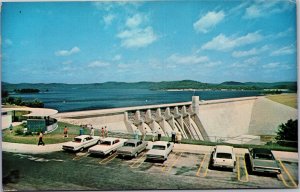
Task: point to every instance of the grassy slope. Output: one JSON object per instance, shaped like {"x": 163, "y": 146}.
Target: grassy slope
{"x": 286, "y": 99}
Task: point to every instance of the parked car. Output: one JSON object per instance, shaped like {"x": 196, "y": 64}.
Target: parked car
{"x": 81, "y": 142}
{"x": 262, "y": 160}
{"x": 132, "y": 148}
{"x": 160, "y": 150}
{"x": 223, "y": 156}
{"x": 107, "y": 146}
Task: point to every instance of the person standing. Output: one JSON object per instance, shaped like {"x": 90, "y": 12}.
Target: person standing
{"x": 41, "y": 142}
{"x": 179, "y": 137}
{"x": 136, "y": 136}
{"x": 92, "y": 132}
{"x": 173, "y": 136}
{"x": 159, "y": 134}
{"x": 153, "y": 136}
{"x": 10, "y": 128}
{"x": 65, "y": 131}
{"x": 102, "y": 132}
{"x": 106, "y": 131}
{"x": 143, "y": 135}
{"x": 81, "y": 130}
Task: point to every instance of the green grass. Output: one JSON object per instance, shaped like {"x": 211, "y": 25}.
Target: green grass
{"x": 56, "y": 136}
{"x": 285, "y": 99}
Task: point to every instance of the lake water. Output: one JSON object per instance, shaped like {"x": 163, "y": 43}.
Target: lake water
{"x": 73, "y": 99}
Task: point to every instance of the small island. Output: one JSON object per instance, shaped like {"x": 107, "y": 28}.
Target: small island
{"x": 27, "y": 90}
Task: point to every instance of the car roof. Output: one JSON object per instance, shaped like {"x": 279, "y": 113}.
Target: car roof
{"x": 160, "y": 143}
{"x": 224, "y": 149}
{"x": 261, "y": 150}
{"x": 132, "y": 141}
{"x": 109, "y": 139}
{"x": 82, "y": 136}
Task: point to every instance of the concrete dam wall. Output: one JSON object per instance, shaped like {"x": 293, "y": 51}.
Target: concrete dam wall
{"x": 205, "y": 120}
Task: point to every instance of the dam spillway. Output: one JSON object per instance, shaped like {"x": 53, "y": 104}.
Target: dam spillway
{"x": 205, "y": 120}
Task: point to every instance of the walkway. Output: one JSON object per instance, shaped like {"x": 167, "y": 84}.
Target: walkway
{"x": 30, "y": 149}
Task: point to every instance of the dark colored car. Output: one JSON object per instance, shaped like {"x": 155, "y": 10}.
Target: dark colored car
{"x": 262, "y": 160}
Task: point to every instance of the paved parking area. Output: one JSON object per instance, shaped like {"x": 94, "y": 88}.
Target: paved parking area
{"x": 197, "y": 165}
{"x": 182, "y": 170}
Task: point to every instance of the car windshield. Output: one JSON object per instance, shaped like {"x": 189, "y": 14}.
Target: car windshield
{"x": 224, "y": 155}
{"x": 263, "y": 156}
{"x": 129, "y": 144}
{"x": 77, "y": 140}
{"x": 159, "y": 147}
{"x": 106, "y": 143}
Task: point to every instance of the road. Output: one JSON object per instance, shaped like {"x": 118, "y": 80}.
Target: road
{"x": 80, "y": 171}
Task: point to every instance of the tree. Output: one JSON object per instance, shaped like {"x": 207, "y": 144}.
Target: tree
{"x": 288, "y": 132}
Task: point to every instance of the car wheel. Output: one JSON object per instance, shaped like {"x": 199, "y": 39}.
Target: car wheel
{"x": 81, "y": 149}
{"x": 135, "y": 155}
{"x": 110, "y": 153}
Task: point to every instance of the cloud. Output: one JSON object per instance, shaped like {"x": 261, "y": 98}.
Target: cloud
{"x": 136, "y": 34}
{"x": 223, "y": 43}
{"x": 67, "y": 62}
{"x": 212, "y": 64}
{"x": 250, "y": 52}
{"x": 271, "y": 65}
{"x": 134, "y": 21}
{"x": 190, "y": 59}
{"x": 117, "y": 57}
{"x": 123, "y": 66}
{"x": 207, "y": 22}
{"x": 284, "y": 33}
{"x": 108, "y": 19}
{"x": 98, "y": 63}
{"x": 68, "y": 69}
{"x": 266, "y": 8}
{"x": 139, "y": 37}
{"x": 67, "y": 52}
{"x": 248, "y": 63}
{"x": 283, "y": 51}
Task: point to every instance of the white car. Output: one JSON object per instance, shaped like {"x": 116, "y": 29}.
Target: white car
{"x": 223, "y": 156}
{"x": 81, "y": 142}
{"x": 107, "y": 146}
{"x": 160, "y": 150}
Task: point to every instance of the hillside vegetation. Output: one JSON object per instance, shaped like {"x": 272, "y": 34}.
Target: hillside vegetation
{"x": 163, "y": 85}
{"x": 286, "y": 99}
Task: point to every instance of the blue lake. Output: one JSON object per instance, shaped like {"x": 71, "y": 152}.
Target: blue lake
{"x": 74, "y": 99}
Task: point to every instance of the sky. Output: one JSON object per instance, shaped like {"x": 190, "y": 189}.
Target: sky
{"x": 95, "y": 42}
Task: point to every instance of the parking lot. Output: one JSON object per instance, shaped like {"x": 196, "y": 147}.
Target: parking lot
{"x": 198, "y": 166}
{"x": 182, "y": 170}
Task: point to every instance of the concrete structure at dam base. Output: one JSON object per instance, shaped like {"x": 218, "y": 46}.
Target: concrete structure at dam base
{"x": 235, "y": 120}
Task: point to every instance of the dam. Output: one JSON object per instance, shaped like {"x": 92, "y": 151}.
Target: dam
{"x": 236, "y": 120}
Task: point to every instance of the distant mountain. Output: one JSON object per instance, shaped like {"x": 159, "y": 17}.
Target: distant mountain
{"x": 163, "y": 85}
{"x": 232, "y": 83}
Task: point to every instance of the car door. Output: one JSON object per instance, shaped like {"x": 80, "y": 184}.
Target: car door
{"x": 139, "y": 146}
{"x": 88, "y": 141}
{"x": 169, "y": 148}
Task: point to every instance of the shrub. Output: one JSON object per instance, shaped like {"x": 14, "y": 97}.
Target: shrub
{"x": 19, "y": 131}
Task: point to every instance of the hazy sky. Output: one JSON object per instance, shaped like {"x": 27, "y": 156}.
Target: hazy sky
{"x": 207, "y": 41}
